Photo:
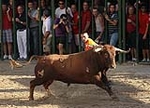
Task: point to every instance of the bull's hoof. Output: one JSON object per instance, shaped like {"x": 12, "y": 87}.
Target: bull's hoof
{"x": 53, "y": 95}
{"x": 31, "y": 98}
{"x": 114, "y": 97}
{"x": 68, "y": 84}
{"x": 44, "y": 97}
{"x": 110, "y": 82}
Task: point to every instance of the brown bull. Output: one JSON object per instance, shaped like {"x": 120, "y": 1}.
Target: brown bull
{"x": 79, "y": 68}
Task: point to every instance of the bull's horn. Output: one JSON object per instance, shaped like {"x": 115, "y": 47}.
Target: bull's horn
{"x": 97, "y": 49}
{"x": 122, "y": 51}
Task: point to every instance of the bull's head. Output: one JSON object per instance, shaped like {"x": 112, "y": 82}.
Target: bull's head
{"x": 109, "y": 53}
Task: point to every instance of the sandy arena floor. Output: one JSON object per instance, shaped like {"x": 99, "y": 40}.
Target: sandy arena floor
{"x": 130, "y": 83}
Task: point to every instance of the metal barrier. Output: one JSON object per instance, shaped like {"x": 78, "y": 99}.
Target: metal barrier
{"x": 122, "y": 27}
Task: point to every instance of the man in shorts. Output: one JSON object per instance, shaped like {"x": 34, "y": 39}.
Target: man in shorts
{"x": 7, "y": 31}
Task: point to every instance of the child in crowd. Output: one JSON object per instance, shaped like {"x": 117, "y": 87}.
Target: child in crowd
{"x": 88, "y": 42}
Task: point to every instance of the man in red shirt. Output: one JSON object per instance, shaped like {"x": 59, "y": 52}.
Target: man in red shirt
{"x": 86, "y": 19}
{"x": 143, "y": 33}
{"x": 7, "y": 31}
{"x": 149, "y": 17}
{"x": 75, "y": 25}
{"x": 131, "y": 31}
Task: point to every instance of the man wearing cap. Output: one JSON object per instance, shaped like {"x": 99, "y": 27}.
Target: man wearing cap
{"x": 88, "y": 42}
{"x": 61, "y": 28}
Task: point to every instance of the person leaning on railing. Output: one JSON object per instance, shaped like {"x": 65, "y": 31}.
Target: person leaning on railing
{"x": 88, "y": 42}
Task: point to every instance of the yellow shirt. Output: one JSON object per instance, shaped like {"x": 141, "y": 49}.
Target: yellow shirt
{"x": 89, "y": 44}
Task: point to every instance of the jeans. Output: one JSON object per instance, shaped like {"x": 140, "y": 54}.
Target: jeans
{"x": 113, "y": 38}
{"x": 70, "y": 37}
{"x": 34, "y": 40}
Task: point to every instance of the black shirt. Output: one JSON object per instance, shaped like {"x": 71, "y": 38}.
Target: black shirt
{"x": 22, "y": 18}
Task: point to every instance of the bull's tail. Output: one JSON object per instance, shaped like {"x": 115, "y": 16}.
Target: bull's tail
{"x": 15, "y": 64}
{"x": 33, "y": 57}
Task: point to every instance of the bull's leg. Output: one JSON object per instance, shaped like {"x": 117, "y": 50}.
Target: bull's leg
{"x": 104, "y": 78}
{"x": 104, "y": 85}
{"x": 33, "y": 83}
{"x": 46, "y": 85}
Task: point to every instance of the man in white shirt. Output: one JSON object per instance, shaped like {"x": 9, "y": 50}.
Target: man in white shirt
{"x": 46, "y": 29}
{"x": 62, "y": 9}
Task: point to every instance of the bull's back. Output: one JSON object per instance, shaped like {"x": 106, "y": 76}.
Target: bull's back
{"x": 69, "y": 69}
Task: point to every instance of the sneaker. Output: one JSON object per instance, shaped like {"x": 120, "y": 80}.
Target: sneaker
{"x": 24, "y": 59}
{"x": 21, "y": 59}
{"x": 5, "y": 57}
{"x": 9, "y": 57}
{"x": 133, "y": 59}
{"x": 144, "y": 60}
{"x": 148, "y": 60}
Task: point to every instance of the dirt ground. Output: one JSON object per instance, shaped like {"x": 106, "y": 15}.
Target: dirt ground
{"x": 130, "y": 83}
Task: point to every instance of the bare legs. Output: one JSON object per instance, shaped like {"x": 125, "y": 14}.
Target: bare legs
{"x": 7, "y": 48}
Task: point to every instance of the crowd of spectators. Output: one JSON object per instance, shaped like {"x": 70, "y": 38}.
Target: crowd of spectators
{"x": 67, "y": 34}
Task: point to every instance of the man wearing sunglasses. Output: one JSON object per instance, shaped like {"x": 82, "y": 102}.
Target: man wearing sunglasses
{"x": 62, "y": 9}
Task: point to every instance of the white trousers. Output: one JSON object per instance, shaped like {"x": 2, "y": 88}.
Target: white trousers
{"x": 22, "y": 43}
